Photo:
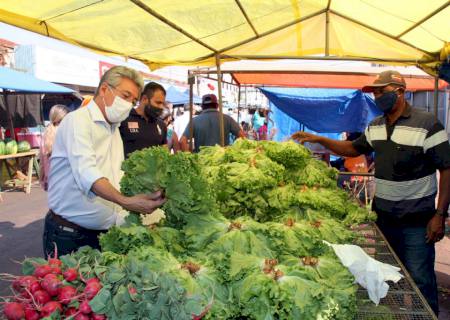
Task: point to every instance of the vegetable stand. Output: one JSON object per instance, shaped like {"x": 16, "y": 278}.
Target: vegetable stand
{"x": 404, "y": 300}
{"x": 243, "y": 238}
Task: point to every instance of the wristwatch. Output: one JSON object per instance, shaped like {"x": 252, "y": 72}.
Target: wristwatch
{"x": 441, "y": 213}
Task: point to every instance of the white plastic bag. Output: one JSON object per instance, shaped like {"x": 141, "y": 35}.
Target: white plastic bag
{"x": 368, "y": 272}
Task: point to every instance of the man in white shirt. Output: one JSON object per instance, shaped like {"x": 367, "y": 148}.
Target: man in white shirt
{"x": 83, "y": 195}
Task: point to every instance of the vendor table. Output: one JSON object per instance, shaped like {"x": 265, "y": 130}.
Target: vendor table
{"x": 404, "y": 300}
{"x": 31, "y": 156}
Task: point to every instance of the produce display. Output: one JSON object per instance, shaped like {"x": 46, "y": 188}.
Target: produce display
{"x": 10, "y": 146}
{"x": 23, "y": 146}
{"x": 52, "y": 289}
{"x": 243, "y": 238}
{"x": 2, "y": 148}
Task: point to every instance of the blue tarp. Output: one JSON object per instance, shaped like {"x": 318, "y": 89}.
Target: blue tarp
{"x": 322, "y": 110}
{"x": 175, "y": 96}
{"x": 22, "y": 82}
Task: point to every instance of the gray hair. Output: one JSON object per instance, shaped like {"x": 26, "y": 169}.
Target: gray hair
{"x": 57, "y": 113}
{"x": 114, "y": 75}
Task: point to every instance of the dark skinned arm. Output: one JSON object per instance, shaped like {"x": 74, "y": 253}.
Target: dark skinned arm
{"x": 436, "y": 226}
{"x": 339, "y": 147}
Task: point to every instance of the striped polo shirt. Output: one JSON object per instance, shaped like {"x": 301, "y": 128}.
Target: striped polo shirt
{"x": 407, "y": 155}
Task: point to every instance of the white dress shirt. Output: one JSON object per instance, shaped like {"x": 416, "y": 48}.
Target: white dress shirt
{"x": 86, "y": 149}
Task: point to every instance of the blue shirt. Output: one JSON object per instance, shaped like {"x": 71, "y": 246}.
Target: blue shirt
{"x": 207, "y": 129}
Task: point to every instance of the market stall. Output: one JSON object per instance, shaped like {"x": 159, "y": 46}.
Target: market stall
{"x": 13, "y": 82}
{"x": 242, "y": 236}
{"x": 226, "y": 261}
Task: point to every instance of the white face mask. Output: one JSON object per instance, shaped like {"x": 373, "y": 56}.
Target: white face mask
{"x": 118, "y": 110}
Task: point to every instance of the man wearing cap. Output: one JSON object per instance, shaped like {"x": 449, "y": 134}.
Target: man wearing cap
{"x": 410, "y": 145}
{"x": 206, "y": 126}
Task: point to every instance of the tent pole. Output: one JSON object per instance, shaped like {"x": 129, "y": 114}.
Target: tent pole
{"x": 436, "y": 96}
{"x": 239, "y": 104}
{"x": 327, "y": 33}
{"x": 219, "y": 89}
{"x": 8, "y": 112}
{"x": 191, "y": 81}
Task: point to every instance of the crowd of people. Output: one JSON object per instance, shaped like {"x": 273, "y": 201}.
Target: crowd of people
{"x": 83, "y": 162}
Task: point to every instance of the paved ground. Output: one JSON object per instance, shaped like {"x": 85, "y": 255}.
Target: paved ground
{"x": 21, "y": 224}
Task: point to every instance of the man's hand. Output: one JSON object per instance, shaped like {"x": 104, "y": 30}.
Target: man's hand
{"x": 435, "y": 229}
{"x": 144, "y": 203}
{"x": 303, "y": 137}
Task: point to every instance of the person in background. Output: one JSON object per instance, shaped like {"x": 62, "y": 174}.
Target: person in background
{"x": 410, "y": 145}
{"x": 57, "y": 113}
{"x": 262, "y": 132}
{"x": 206, "y": 126}
{"x": 172, "y": 137}
{"x": 258, "y": 119}
{"x": 143, "y": 128}
{"x": 181, "y": 121}
{"x": 85, "y": 168}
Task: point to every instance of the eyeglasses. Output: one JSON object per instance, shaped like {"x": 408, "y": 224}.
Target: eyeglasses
{"x": 126, "y": 95}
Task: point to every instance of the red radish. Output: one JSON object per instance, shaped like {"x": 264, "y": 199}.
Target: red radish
{"x": 31, "y": 314}
{"x": 70, "y": 312}
{"x": 51, "y": 307}
{"x": 54, "y": 262}
{"x": 27, "y": 281}
{"x": 13, "y": 311}
{"x": 81, "y": 316}
{"x": 70, "y": 274}
{"x": 67, "y": 294}
{"x": 92, "y": 289}
{"x": 41, "y": 297}
{"x": 92, "y": 280}
{"x": 132, "y": 290}
{"x": 25, "y": 294}
{"x": 51, "y": 284}
{"x": 42, "y": 270}
{"x": 16, "y": 285}
{"x": 85, "y": 307}
{"x": 96, "y": 316}
{"x": 35, "y": 287}
{"x": 56, "y": 270}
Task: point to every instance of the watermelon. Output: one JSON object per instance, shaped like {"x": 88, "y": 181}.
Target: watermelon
{"x": 11, "y": 146}
{"x": 2, "y": 148}
{"x": 23, "y": 146}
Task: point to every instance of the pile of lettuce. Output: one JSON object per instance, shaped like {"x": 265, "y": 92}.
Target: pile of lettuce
{"x": 180, "y": 177}
{"x": 243, "y": 238}
{"x": 267, "y": 180}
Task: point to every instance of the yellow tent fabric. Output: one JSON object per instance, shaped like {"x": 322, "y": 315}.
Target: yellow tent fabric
{"x": 175, "y": 32}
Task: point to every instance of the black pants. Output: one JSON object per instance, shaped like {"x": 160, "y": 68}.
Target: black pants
{"x": 67, "y": 239}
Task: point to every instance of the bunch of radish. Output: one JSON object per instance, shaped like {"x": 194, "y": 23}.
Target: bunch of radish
{"x": 53, "y": 288}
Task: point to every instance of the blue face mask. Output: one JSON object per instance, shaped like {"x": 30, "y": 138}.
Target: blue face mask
{"x": 386, "y": 101}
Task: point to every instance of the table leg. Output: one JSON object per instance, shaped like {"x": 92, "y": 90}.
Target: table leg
{"x": 29, "y": 175}
{"x": 1, "y": 179}
{"x": 36, "y": 167}
{"x": 8, "y": 169}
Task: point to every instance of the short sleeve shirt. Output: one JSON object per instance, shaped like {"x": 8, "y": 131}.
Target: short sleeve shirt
{"x": 138, "y": 133}
{"x": 407, "y": 155}
{"x": 207, "y": 129}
